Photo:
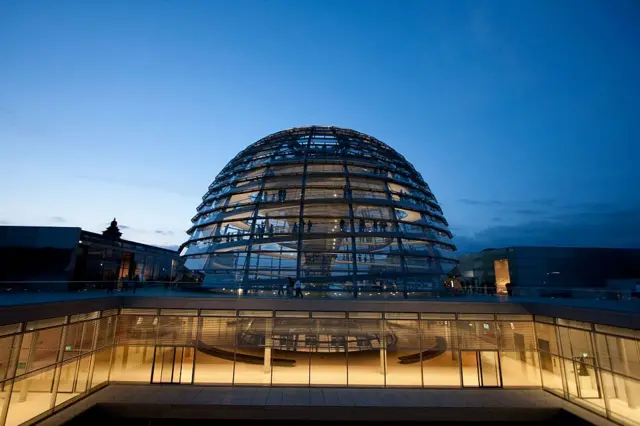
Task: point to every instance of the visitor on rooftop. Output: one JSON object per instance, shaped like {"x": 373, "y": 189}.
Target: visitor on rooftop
{"x": 298, "y": 288}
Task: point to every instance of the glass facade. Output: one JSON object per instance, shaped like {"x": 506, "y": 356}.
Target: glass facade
{"x": 47, "y": 364}
{"x": 339, "y": 210}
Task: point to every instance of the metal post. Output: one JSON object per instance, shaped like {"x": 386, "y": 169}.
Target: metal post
{"x": 77, "y": 369}
{"x": 92, "y": 362}
{"x": 114, "y": 348}
{"x": 199, "y": 325}
{"x": 563, "y": 375}
{"x": 252, "y": 229}
{"x": 302, "y": 198}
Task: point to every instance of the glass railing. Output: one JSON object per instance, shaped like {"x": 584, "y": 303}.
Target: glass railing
{"x": 373, "y": 289}
{"x": 589, "y": 364}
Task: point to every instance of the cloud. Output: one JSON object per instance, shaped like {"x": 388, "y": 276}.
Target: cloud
{"x": 545, "y": 201}
{"x": 171, "y": 247}
{"x": 470, "y": 202}
{"x": 125, "y": 227}
{"x": 618, "y": 228}
{"x": 528, "y": 212}
{"x": 160, "y": 232}
{"x": 588, "y": 206}
{"x": 4, "y": 222}
{"x": 58, "y": 219}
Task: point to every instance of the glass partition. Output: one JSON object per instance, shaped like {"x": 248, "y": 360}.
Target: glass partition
{"x": 594, "y": 367}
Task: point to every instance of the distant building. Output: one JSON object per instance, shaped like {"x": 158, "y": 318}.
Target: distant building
{"x": 68, "y": 258}
{"x": 557, "y": 267}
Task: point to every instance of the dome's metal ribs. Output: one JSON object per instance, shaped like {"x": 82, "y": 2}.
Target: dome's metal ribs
{"x": 336, "y": 208}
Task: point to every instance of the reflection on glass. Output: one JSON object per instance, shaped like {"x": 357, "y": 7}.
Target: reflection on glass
{"x": 623, "y": 397}
{"x": 39, "y": 349}
{"x": 6, "y": 348}
{"x": 328, "y": 368}
{"x": 132, "y": 364}
{"x": 519, "y": 369}
{"x": 101, "y": 367}
{"x": 442, "y": 370}
{"x": 367, "y": 368}
{"x": 583, "y": 386}
{"x": 67, "y": 382}
{"x": 490, "y": 369}
{"x": 470, "y": 376}
{"x": 252, "y": 366}
{"x": 551, "y": 367}
{"x": 30, "y": 397}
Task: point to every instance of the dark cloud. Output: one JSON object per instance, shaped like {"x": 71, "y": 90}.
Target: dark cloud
{"x": 470, "y": 202}
{"x": 546, "y": 201}
{"x": 529, "y": 212}
{"x": 588, "y": 206}
{"x": 124, "y": 227}
{"x": 619, "y": 228}
{"x": 160, "y": 232}
{"x": 58, "y": 219}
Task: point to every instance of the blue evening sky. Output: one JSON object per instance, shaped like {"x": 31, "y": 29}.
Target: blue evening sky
{"x": 523, "y": 116}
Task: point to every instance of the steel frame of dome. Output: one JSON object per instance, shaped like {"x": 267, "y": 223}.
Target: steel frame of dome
{"x": 338, "y": 209}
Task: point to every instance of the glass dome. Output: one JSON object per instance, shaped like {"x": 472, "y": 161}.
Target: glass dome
{"x": 339, "y": 210}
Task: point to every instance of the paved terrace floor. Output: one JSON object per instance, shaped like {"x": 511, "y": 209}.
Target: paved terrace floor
{"x": 28, "y": 298}
{"x": 324, "y": 404}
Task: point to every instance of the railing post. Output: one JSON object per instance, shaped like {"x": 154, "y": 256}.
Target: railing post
{"x": 58, "y": 367}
